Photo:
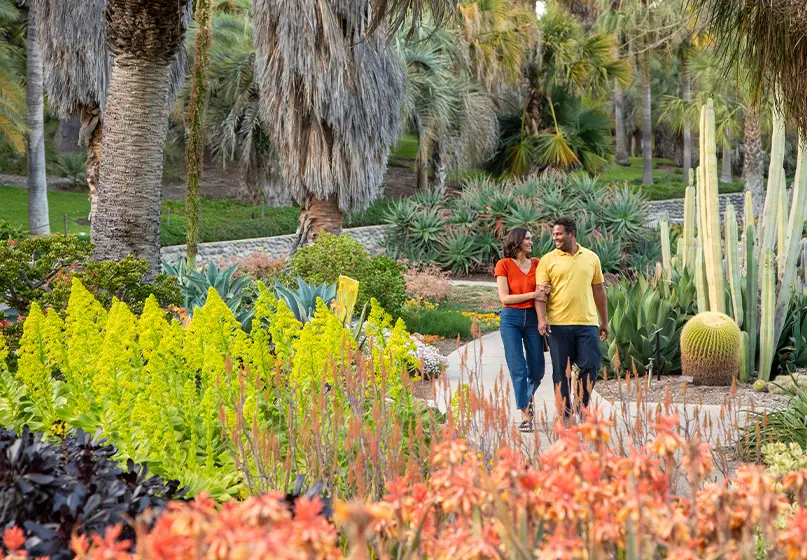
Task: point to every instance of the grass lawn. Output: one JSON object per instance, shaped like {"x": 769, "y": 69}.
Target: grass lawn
{"x": 221, "y": 220}
{"x": 406, "y": 148}
{"x": 668, "y": 180}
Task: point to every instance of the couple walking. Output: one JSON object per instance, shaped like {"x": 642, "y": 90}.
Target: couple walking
{"x": 556, "y": 298}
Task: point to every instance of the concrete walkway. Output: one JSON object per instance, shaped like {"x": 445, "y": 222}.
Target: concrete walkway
{"x": 481, "y": 365}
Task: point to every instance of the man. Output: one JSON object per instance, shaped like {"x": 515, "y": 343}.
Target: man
{"x": 569, "y": 315}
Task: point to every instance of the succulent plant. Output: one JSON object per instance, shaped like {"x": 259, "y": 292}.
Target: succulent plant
{"x": 710, "y": 349}
{"x": 303, "y": 301}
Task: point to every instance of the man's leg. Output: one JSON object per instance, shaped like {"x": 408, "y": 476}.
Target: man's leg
{"x": 561, "y": 348}
{"x": 589, "y": 358}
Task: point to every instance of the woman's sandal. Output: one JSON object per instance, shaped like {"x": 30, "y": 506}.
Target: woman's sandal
{"x": 525, "y": 427}
{"x": 531, "y": 410}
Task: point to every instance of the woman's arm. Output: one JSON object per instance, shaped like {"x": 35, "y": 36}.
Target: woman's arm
{"x": 504, "y": 293}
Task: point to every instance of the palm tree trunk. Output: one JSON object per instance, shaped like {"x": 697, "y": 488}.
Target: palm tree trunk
{"x": 621, "y": 156}
{"x": 91, "y": 135}
{"x": 752, "y": 164}
{"x": 422, "y": 166}
{"x": 439, "y": 166}
{"x": 127, "y": 219}
{"x": 725, "y": 170}
{"x": 686, "y": 86}
{"x": 195, "y": 149}
{"x": 38, "y": 218}
{"x": 647, "y": 130}
{"x": 316, "y": 216}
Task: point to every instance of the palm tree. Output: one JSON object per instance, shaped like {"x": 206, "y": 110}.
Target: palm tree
{"x": 767, "y": 39}
{"x": 38, "y": 217}
{"x": 76, "y": 59}
{"x": 448, "y": 109}
{"x": 330, "y": 99}
{"x": 144, "y": 37}
{"x": 12, "y": 95}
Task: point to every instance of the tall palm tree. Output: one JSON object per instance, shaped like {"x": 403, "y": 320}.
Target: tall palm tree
{"x": 330, "y": 99}
{"x": 144, "y": 37}
{"x": 769, "y": 40}
{"x": 77, "y": 64}
{"x": 448, "y": 109}
{"x": 38, "y": 217}
{"x": 12, "y": 95}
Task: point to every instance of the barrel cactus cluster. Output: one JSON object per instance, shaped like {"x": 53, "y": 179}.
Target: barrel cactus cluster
{"x": 752, "y": 287}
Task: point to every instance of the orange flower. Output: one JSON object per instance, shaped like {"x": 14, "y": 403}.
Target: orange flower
{"x": 14, "y": 539}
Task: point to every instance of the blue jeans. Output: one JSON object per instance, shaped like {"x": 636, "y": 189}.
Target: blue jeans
{"x": 575, "y": 344}
{"x": 523, "y": 351}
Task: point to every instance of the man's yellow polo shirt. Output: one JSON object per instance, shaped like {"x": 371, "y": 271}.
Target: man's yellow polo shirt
{"x": 571, "y": 301}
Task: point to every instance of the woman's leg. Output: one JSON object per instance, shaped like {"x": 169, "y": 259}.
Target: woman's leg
{"x": 534, "y": 346}
{"x": 511, "y": 327}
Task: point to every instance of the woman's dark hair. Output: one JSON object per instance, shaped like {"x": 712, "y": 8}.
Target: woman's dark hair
{"x": 512, "y": 243}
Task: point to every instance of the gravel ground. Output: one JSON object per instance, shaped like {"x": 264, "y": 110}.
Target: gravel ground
{"x": 687, "y": 393}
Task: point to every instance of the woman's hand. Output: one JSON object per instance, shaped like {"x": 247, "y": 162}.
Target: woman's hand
{"x": 542, "y": 293}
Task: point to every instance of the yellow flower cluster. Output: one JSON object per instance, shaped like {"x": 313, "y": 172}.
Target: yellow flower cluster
{"x": 170, "y": 394}
{"x": 486, "y": 321}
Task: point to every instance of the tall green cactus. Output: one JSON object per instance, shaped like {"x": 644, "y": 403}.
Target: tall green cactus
{"x": 767, "y": 344}
{"x": 690, "y": 243}
{"x": 781, "y": 225}
{"x": 746, "y": 360}
{"x": 708, "y": 208}
{"x": 789, "y": 252}
{"x": 767, "y": 225}
{"x": 733, "y": 264}
{"x": 750, "y": 323}
{"x": 701, "y": 289}
{"x": 666, "y": 249}
{"x": 749, "y": 208}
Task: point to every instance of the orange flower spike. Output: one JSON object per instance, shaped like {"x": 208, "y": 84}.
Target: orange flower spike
{"x": 793, "y": 538}
{"x": 79, "y": 545}
{"x": 109, "y": 547}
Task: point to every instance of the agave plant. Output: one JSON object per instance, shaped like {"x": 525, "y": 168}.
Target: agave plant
{"x": 303, "y": 301}
{"x": 526, "y": 214}
{"x": 400, "y": 214}
{"x": 236, "y": 292}
{"x": 608, "y": 249}
{"x": 426, "y": 228}
{"x": 459, "y": 252}
{"x": 624, "y": 213}
{"x": 463, "y": 215}
{"x": 429, "y": 199}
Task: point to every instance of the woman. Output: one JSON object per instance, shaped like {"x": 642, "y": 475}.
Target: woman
{"x": 523, "y": 346}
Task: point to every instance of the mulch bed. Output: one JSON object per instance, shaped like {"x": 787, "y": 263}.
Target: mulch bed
{"x": 687, "y": 393}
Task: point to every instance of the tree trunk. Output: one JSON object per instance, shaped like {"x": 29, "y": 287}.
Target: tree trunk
{"x": 127, "y": 218}
{"x": 422, "y": 165}
{"x": 38, "y": 218}
{"x": 91, "y": 135}
{"x": 621, "y": 156}
{"x": 752, "y": 162}
{"x": 195, "y": 150}
{"x": 725, "y": 171}
{"x": 647, "y": 130}
{"x": 687, "y": 96}
{"x": 439, "y": 166}
{"x": 316, "y": 216}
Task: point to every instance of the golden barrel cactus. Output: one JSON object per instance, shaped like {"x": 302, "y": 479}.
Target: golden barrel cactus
{"x": 710, "y": 349}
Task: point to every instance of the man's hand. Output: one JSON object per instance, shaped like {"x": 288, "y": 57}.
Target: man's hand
{"x": 543, "y": 326}
{"x": 604, "y": 331}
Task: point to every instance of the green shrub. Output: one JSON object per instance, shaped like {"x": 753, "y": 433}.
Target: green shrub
{"x": 384, "y": 281}
{"x": 28, "y": 266}
{"x": 108, "y": 280}
{"x": 333, "y": 255}
{"x": 438, "y": 322}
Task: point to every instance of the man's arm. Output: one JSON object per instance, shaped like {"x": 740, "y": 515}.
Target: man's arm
{"x": 601, "y": 302}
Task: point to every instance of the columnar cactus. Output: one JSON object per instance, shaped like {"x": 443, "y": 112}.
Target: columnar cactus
{"x": 733, "y": 264}
{"x": 710, "y": 349}
{"x": 767, "y": 232}
{"x": 751, "y": 316}
{"x": 746, "y": 359}
{"x": 700, "y": 282}
{"x": 666, "y": 250}
{"x": 767, "y": 344}
{"x": 708, "y": 208}
{"x": 690, "y": 243}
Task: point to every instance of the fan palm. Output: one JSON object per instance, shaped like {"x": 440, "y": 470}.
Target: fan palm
{"x": 144, "y": 37}
{"x": 768, "y": 40}
{"x": 12, "y": 95}
{"x": 450, "y": 112}
{"x": 330, "y": 100}
{"x": 77, "y": 62}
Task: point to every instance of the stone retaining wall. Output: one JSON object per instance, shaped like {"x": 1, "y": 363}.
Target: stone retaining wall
{"x": 674, "y": 209}
{"x": 372, "y": 237}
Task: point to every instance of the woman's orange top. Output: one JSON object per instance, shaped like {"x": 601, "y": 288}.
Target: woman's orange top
{"x": 517, "y": 281}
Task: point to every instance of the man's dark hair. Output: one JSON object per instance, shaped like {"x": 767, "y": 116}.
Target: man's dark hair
{"x": 512, "y": 244}
{"x": 568, "y": 224}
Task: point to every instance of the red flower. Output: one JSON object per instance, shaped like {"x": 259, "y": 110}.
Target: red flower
{"x": 14, "y": 539}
